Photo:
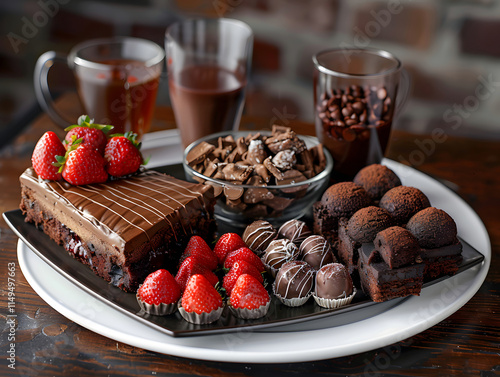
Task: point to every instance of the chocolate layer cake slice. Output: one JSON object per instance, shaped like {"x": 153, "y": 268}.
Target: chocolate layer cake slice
{"x": 122, "y": 229}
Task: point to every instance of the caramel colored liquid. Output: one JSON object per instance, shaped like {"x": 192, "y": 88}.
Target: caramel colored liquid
{"x": 124, "y": 96}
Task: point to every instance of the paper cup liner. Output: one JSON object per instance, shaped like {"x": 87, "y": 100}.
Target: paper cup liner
{"x": 332, "y": 303}
{"x": 160, "y": 310}
{"x": 270, "y": 269}
{"x": 293, "y": 302}
{"x": 245, "y": 313}
{"x": 200, "y": 319}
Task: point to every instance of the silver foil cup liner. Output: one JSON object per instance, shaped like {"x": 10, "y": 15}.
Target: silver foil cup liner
{"x": 245, "y": 313}
{"x": 331, "y": 303}
{"x": 293, "y": 302}
{"x": 161, "y": 309}
{"x": 200, "y": 319}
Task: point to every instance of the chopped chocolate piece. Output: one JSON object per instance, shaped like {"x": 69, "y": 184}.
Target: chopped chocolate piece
{"x": 285, "y": 160}
{"x": 287, "y": 140}
{"x": 199, "y": 153}
{"x": 262, "y": 171}
{"x": 289, "y": 178}
{"x": 272, "y": 168}
{"x": 256, "y": 153}
{"x": 278, "y": 203}
{"x": 233, "y": 192}
{"x": 397, "y": 247}
{"x": 257, "y": 194}
{"x": 233, "y": 172}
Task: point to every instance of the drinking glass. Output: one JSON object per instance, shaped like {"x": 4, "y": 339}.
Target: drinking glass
{"x": 208, "y": 62}
{"x": 357, "y": 94}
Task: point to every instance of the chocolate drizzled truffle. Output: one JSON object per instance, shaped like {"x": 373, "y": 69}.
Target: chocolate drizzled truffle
{"x": 294, "y": 230}
{"x": 279, "y": 252}
{"x": 316, "y": 251}
{"x": 397, "y": 247}
{"x": 433, "y": 228}
{"x": 403, "y": 202}
{"x": 377, "y": 179}
{"x": 364, "y": 225}
{"x": 294, "y": 283}
{"x": 333, "y": 282}
{"x": 258, "y": 235}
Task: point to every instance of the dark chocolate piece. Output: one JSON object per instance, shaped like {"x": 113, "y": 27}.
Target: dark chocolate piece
{"x": 397, "y": 247}
{"x": 333, "y": 282}
{"x": 295, "y": 279}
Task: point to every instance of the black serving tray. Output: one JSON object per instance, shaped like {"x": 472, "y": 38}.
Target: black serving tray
{"x": 80, "y": 275}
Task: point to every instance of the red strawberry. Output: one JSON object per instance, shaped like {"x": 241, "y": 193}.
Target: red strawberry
{"x": 83, "y": 166}
{"x": 244, "y": 253}
{"x": 122, "y": 155}
{"x": 239, "y": 268}
{"x": 248, "y": 293}
{"x": 44, "y": 156}
{"x": 199, "y": 248}
{"x": 159, "y": 287}
{"x": 227, "y": 242}
{"x": 191, "y": 266}
{"x": 91, "y": 133}
{"x": 200, "y": 296}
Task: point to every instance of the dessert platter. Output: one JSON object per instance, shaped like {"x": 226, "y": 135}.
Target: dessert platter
{"x": 396, "y": 278}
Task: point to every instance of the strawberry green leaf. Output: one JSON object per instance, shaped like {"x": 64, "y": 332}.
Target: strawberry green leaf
{"x": 85, "y": 121}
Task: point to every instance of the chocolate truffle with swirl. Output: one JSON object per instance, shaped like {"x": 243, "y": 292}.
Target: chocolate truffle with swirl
{"x": 294, "y": 283}
{"x": 279, "y": 252}
{"x": 316, "y": 251}
{"x": 295, "y": 230}
{"x": 258, "y": 235}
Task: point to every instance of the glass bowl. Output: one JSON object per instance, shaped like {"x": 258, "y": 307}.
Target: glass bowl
{"x": 288, "y": 202}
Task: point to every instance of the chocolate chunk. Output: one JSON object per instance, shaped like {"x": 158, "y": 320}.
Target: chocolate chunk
{"x": 233, "y": 192}
{"x": 233, "y": 172}
{"x": 256, "y": 153}
{"x": 199, "y": 153}
{"x": 285, "y": 160}
{"x": 273, "y": 169}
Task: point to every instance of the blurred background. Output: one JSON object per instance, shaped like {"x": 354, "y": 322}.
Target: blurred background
{"x": 450, "y": 48}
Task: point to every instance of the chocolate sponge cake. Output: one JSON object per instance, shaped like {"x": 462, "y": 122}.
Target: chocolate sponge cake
{"x": 122, "y": 229}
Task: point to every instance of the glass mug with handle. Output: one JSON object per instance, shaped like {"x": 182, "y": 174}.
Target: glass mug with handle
{"x": 117, "y": 81}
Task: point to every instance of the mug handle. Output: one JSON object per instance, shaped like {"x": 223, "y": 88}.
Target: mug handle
{"x": 41, "y": 84}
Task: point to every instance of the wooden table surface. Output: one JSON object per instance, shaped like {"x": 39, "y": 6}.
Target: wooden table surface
{"x": 466, "y": 343}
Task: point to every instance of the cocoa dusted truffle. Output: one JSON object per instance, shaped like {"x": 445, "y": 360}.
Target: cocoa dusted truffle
{"x": 433, "y": 228}
{"x": 294, "y": 230}
{"x": 364, "y": 225}
{"x": 258, "y": 235}
{"x": 377, "y": 179}
{"x": 339, "y": 200}
{"x": 403, "y": 202}
{"x": 397, "y": 247}
{"x": 333, "y": 282}
{"x": 294, "y": 283}
{"x": 316, "y": 251}
{"x": 278, "y": 252}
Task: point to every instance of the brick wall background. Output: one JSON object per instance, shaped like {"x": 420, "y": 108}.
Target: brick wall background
{"x": 450, "y": 48}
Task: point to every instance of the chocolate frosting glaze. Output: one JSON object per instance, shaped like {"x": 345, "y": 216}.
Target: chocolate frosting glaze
{"x": 121, "y": 215}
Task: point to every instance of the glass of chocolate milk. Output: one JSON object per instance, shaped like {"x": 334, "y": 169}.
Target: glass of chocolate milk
{"x": 208, "y": 62}
{"x": 357, "y": 94}
{"x": 117, "y": 81}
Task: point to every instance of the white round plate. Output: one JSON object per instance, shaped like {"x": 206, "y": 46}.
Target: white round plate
{"x": 292, "y": 343}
